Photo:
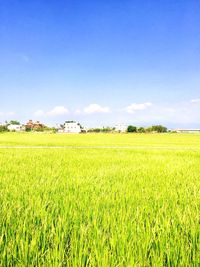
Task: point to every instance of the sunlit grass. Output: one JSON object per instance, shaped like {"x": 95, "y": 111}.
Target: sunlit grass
{"x": 40, "y": 139}
{"x": 99, "y": 207}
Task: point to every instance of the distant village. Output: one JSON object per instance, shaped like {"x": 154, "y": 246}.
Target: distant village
{"x": 76, "y": 127}
{"x": 37, "y": 126}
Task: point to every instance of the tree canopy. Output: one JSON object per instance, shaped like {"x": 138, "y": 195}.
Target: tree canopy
{"x": 132, "y": 129}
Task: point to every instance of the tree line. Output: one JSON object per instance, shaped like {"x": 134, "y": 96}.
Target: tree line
{"x": 132, "y": 129}
{"x": 153, "y": 128}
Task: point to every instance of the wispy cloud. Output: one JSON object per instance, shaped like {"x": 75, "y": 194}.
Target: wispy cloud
{"x": 137, "y": 106}
{"x": 9, "y": 114}
{"x": 177, "y": 113}
{"x": 95, "y": 108}
{"x": 196, "y": 100}
{"x": 77, "y": 111}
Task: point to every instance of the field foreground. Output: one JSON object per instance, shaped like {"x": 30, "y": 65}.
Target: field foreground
{"x": 99, "y": 200}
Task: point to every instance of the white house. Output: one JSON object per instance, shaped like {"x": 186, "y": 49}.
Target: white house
{"x": 14, "y": 128}
{"x": 121, "y": 128}
{"x": 72, "y": 127}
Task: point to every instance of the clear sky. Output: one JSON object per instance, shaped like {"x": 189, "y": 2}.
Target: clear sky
{"x": 100, "y": 62}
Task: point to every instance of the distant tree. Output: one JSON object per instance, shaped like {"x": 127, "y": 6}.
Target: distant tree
{"x": 94, "y": 130}
{"x": 39, "y": 129}
{"x": 13, "y": 122}
{"x": 106, "y": 129}
{"x": 141, "y": 130}
{"x": 132, "y": 129}
{"x": 159, "y": 128}
{"x": 28, "y": 129}
{"x": 148, "y": 129}
{"x": 3, "y": 128}
{"x": 83, "y": 131}
{"x": 100, "y": 130}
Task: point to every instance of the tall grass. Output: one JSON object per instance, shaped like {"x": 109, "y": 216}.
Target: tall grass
{"x": 99, "y": 207}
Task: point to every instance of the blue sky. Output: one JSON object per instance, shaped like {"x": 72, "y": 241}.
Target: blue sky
{"x": 100, "y": 62}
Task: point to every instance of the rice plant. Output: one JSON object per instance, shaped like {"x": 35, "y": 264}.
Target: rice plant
{"x": 100, "y": 207}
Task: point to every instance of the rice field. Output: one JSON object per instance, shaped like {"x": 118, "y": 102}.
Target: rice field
{"x": 99, "y": 200}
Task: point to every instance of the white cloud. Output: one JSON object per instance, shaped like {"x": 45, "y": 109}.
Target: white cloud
{"x": 197, "y": 100}
{"x": 176, "y": 113}
{"x": 137, "y": 106}
{"x": 58, "y": 111}
{"x": 95, "y": 108}
{"x": 77, "y": 111}
{"x": 39, "y": 113}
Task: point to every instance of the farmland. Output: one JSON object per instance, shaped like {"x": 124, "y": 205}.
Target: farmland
{"x": 99, "y": 200}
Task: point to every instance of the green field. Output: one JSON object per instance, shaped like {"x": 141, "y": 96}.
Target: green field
{"x": 99, "y": 200}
